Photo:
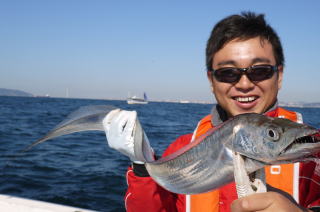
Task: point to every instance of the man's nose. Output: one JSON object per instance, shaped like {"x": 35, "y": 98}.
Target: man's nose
{"x": 244, "y": 83}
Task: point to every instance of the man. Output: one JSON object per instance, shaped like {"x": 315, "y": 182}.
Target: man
{"x": 245, "y": 69}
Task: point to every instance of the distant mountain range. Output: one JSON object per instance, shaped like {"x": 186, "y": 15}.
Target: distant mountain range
{"x": 12, "y": 92}
{"x": 300, "y": 104}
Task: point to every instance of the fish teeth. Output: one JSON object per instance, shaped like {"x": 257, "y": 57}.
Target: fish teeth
{"x": 245, "y": 99}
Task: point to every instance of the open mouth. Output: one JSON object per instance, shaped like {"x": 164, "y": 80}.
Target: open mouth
{"x": 302, "y": 144}
{"x": 247, "y": 99}
{"x": 314, "y": 138}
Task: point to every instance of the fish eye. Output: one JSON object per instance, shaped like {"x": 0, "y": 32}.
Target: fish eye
{"x": 273, "y": 134}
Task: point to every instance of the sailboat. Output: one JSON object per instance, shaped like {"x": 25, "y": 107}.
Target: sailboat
{"x": 137, "y": 100}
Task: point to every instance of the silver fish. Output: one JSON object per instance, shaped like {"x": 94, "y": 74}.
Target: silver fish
{"x": 207, "y": 162}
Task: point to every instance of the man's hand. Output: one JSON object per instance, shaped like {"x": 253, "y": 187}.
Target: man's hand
{"x": 119, "y": 126}
{"x": 268, "y": 201}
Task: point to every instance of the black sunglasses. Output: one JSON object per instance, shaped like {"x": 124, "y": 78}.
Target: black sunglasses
{"x": 255, "y": 73}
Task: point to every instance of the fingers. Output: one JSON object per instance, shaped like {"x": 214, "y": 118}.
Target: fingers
{"x": 254, "y": 202}
{"x": 119, "y": 126}
{"x": 127, "y": 121}
{"x": 268, "y": 201}
{"x": 119, "y": 121}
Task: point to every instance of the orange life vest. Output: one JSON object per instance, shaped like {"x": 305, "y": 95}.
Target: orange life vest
{"x": 284, "y": 177}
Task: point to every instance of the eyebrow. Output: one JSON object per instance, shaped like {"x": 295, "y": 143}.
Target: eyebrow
{"x": 260, "y": 60}
{"x": 227, "y": 62}
{"x": 253, "y": 61}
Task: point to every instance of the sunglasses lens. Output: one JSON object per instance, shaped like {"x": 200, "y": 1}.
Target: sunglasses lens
{"x": 260, "y": 73}
{"x": 228, "y": 75}
{"x": 255, "y": 73}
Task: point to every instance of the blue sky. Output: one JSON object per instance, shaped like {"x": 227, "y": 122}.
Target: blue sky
{"x": 105, "y": 49}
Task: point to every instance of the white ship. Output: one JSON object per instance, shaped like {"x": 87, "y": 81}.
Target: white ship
{"x": 137, "y": 100}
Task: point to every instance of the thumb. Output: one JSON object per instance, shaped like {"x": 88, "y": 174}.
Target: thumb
{"x": 255, "y": 202}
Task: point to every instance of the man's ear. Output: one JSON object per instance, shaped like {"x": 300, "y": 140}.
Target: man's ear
{"x": 209, "y": 76}
{"x": 280, "y": 76}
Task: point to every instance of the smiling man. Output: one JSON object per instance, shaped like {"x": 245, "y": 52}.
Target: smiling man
{"x": 245, "y": 76}
{"x": 245, "y": 64}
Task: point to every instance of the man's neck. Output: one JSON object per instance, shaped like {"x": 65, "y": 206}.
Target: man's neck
{"x": 219, "y": 115}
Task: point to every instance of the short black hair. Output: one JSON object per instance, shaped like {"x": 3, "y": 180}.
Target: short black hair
{"x": 245, "y": 26}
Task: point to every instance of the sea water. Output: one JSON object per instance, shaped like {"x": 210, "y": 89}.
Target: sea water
{"x": 80, "y": 169}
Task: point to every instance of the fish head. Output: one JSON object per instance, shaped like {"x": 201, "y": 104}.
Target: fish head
{"x": 274, "y": 140}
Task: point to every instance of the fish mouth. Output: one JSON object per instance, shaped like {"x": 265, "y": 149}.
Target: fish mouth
{"x": 301, "y": 149}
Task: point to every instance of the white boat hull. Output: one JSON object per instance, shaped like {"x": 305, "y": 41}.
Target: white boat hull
{"x": 18, "y": 204}
{"x": 132, "y": 101}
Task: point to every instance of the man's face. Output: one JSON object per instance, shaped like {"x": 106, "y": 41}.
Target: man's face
{"x": 245, "y": 96}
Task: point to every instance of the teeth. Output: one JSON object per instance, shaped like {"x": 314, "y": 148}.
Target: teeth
{"x": 245, "y": 99}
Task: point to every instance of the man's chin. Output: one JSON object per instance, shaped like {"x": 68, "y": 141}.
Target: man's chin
{"x": 242, "y": 111}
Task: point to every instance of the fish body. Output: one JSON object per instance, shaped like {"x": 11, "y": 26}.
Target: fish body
{"x": 207, "y": 162}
